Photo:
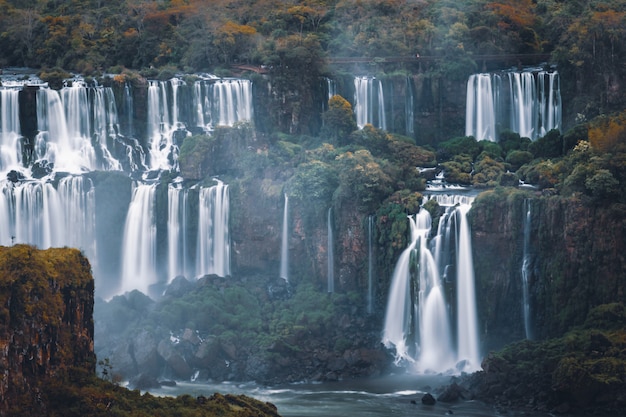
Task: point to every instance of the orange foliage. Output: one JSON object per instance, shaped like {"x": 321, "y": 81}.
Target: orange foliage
{"x": 608, "y": 132}
{"x": 513, "y": 14}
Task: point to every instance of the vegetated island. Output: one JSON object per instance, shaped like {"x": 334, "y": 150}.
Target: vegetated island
{"x": 47, "y": 361}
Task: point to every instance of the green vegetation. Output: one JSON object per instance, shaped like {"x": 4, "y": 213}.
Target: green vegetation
{"x": 586, "y": 366}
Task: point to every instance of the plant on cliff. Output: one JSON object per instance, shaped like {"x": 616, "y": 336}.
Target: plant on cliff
{"x": 338, "y": 120}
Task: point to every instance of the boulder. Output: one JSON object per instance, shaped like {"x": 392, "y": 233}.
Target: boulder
{"x": 428, "y": 399}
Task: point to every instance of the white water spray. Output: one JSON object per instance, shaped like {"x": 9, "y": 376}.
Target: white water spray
{"x": 284, "y": 251}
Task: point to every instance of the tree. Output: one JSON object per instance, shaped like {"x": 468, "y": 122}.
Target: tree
{"x": 339, "y": 119}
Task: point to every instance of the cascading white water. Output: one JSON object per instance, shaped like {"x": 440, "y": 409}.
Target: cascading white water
{"x": 34, "y": 212}
{"x": 382, "y": 120}
{"x": 428, "y": 344}
{"x": 480, "y": 117}
{"x": 467, "y": 320}
{"x": 139, "y": 243}
{"x": 105, "y": 126}
{"x": 213, "y": 249}
{"x": 526, "y": 270}
{"x": 370, "y": 264}
{"x": 284, "y": 250}
{"x": 527, "y": 102}
{"x": 160, "y": 129}
{"x": 233, "y": 101}
{"x": 399, "y": 315}
{"x": 364, "y": 100}
{"x": 331, "y": 87}
{"x": 330, "y": 254}
{"x": 176, "y": 232}
{"x": 10, "y": 131}
{"x": 61, "y": 142}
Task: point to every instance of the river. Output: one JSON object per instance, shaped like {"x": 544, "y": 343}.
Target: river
{"x": 375, "y": 397}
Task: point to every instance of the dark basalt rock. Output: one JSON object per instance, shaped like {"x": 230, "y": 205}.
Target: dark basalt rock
{"x": 428, "y": 399}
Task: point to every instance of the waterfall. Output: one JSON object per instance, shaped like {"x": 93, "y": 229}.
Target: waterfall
{"x": 10, "y": 132}
{"x": 284, "y": 251}
{"x": 526, "y": 264}
{"x": 409, "y": 108}
{"x": 330, "y": 254}
{"x": 331, "y": 87}
{"x": 382, "y": 121}
{"x": 417, "y": 321}
{"x": 364, "y": 101}
{"x": 176, "y": 232}
{"x": 467, "y": 320}
{"x": 480, "y": 120}
{"x": 213, "y": 250}
{"x": 399, "y": 315}
{"x": 129, "y": 111}
{"x": 160, "y": 126}
{"x": 61, "y": 140}
{"x": 527, "y": 102}
{"x": 139, "y": 243}
{"x": 370, "y": 264}
{"x": 105, "y": 126}
{"x": 232, "y": 99}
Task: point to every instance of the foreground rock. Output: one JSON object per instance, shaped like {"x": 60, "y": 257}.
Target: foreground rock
{"x": 581, "y": 372}
{"x": 46, "y": 347}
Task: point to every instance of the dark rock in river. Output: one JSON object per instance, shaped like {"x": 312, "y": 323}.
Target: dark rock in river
{"x": 428, "y": 399}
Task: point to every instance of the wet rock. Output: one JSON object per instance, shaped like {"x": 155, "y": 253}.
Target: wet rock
{"x": 15, "y": 176}
{"x": 428, "y": 399}
{"x": 144, "y": 382}
{"x": 174, "y": 360}
{"x": 453, "y": 393}
{"x": 178, "y": 287}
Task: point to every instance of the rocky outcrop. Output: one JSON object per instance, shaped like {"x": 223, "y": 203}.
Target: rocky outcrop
{"x": 46, "y": 325}
{"x": 577, "y": 262}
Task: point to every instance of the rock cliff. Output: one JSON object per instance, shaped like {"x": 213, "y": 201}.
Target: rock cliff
{"x": 46, "y": 325}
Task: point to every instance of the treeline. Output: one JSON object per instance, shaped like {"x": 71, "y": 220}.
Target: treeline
{"x": 92, "y": 35}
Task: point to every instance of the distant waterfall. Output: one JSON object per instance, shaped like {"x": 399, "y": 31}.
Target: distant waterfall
{"x": 139, "y": 245}
{"x": 528, "y": 103}
{"x": 284, "y": 251}
{"x": 409, "y": 108}
{"x": 222, "y": 102}
{"x": 369, "y": 102}
{"x": 36, "y": 213}
{"x": 10, "y": 132}
{"x": 330, "y": 253}
{"x": 526, "y": 265}
{"x": 61, "y": 141}
{"x": 370, "y": 264}
{"x": 417, "y": 321}
{"x": 213, "y": 249}
{"x": 177, "y": 206}
{"x": 162, "y": 122}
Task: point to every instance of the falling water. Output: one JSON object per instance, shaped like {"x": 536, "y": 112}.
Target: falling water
{"x": 10, "y": 132}
{"x": 467, "y": 322}
{"x": 363, "y": 101}
{"x": 382, "y": 120}
{"x": 213, "y": 249}
{"x": 233, "y": 101}
{"x": 480, "y": 120}
{"x": 160, "y": 127}
{"x": 284, "y": 251}
{"x": 417, "y": 322}
{"x": 409, "y": 108}
{"x": 139, "y": 244}
{"x": 399, "y": 315}
{"x": 526, "y": 270}
{"x": 330, "y": 253}
{"x": 370, "y": 264}
{"x": 331, "y": 86}
{"x": 61, "y": 141}
{"x": 176, "y": 231}
{"x": 528, "y": 103}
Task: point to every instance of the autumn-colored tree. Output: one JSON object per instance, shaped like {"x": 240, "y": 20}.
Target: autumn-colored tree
{"x": 339, "y": 119}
